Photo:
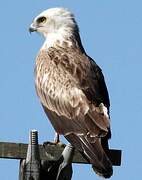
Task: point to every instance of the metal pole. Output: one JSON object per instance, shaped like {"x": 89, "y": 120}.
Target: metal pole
{"x": 30, "y": 168}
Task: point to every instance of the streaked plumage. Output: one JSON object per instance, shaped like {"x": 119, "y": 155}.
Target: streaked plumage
{"x": 72, "y": 89}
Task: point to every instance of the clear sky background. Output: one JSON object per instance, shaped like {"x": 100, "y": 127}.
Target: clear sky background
{"x": 111, "y": 33}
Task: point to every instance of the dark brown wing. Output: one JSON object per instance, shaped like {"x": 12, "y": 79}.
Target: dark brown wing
{"x": 100, "y": 85}
{"x": 103, "y": 97}
{"x": 91, "y": 81}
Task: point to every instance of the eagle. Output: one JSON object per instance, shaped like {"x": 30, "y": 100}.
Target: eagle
{"x": 72, "y": 89}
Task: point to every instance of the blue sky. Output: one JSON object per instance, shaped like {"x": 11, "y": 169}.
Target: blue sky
{"x": 111, "y": 33}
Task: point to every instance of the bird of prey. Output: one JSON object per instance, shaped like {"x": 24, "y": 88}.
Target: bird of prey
{"x": 72, "y": 89}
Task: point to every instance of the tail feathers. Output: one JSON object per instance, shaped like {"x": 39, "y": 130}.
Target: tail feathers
{"x": 94, "y": 153}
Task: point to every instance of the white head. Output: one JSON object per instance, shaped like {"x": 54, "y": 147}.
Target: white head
{"x": 54, "y": 22}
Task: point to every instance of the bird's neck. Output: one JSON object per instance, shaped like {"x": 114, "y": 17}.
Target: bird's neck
{"x": 52, "y": 39}
{"x": 66, "y": 37}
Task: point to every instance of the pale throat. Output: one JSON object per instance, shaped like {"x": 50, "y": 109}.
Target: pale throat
{"x": 57, "y": 38}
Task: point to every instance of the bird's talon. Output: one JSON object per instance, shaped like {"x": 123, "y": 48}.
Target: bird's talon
{"x": 49, "y": 143}
{"x": 54, "y": 144}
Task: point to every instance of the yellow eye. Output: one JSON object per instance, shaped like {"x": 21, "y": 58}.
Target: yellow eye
{"x": 41, "y": 20}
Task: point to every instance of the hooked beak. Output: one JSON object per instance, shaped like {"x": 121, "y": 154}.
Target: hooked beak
{"x": 32, "y": 28}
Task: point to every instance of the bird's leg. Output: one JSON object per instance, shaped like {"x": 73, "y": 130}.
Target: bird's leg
{"x": 56, "y": 138}
{"x": 55, "y": 142}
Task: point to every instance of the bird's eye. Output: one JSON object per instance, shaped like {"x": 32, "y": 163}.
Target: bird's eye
{"x": 41, "y": 19}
